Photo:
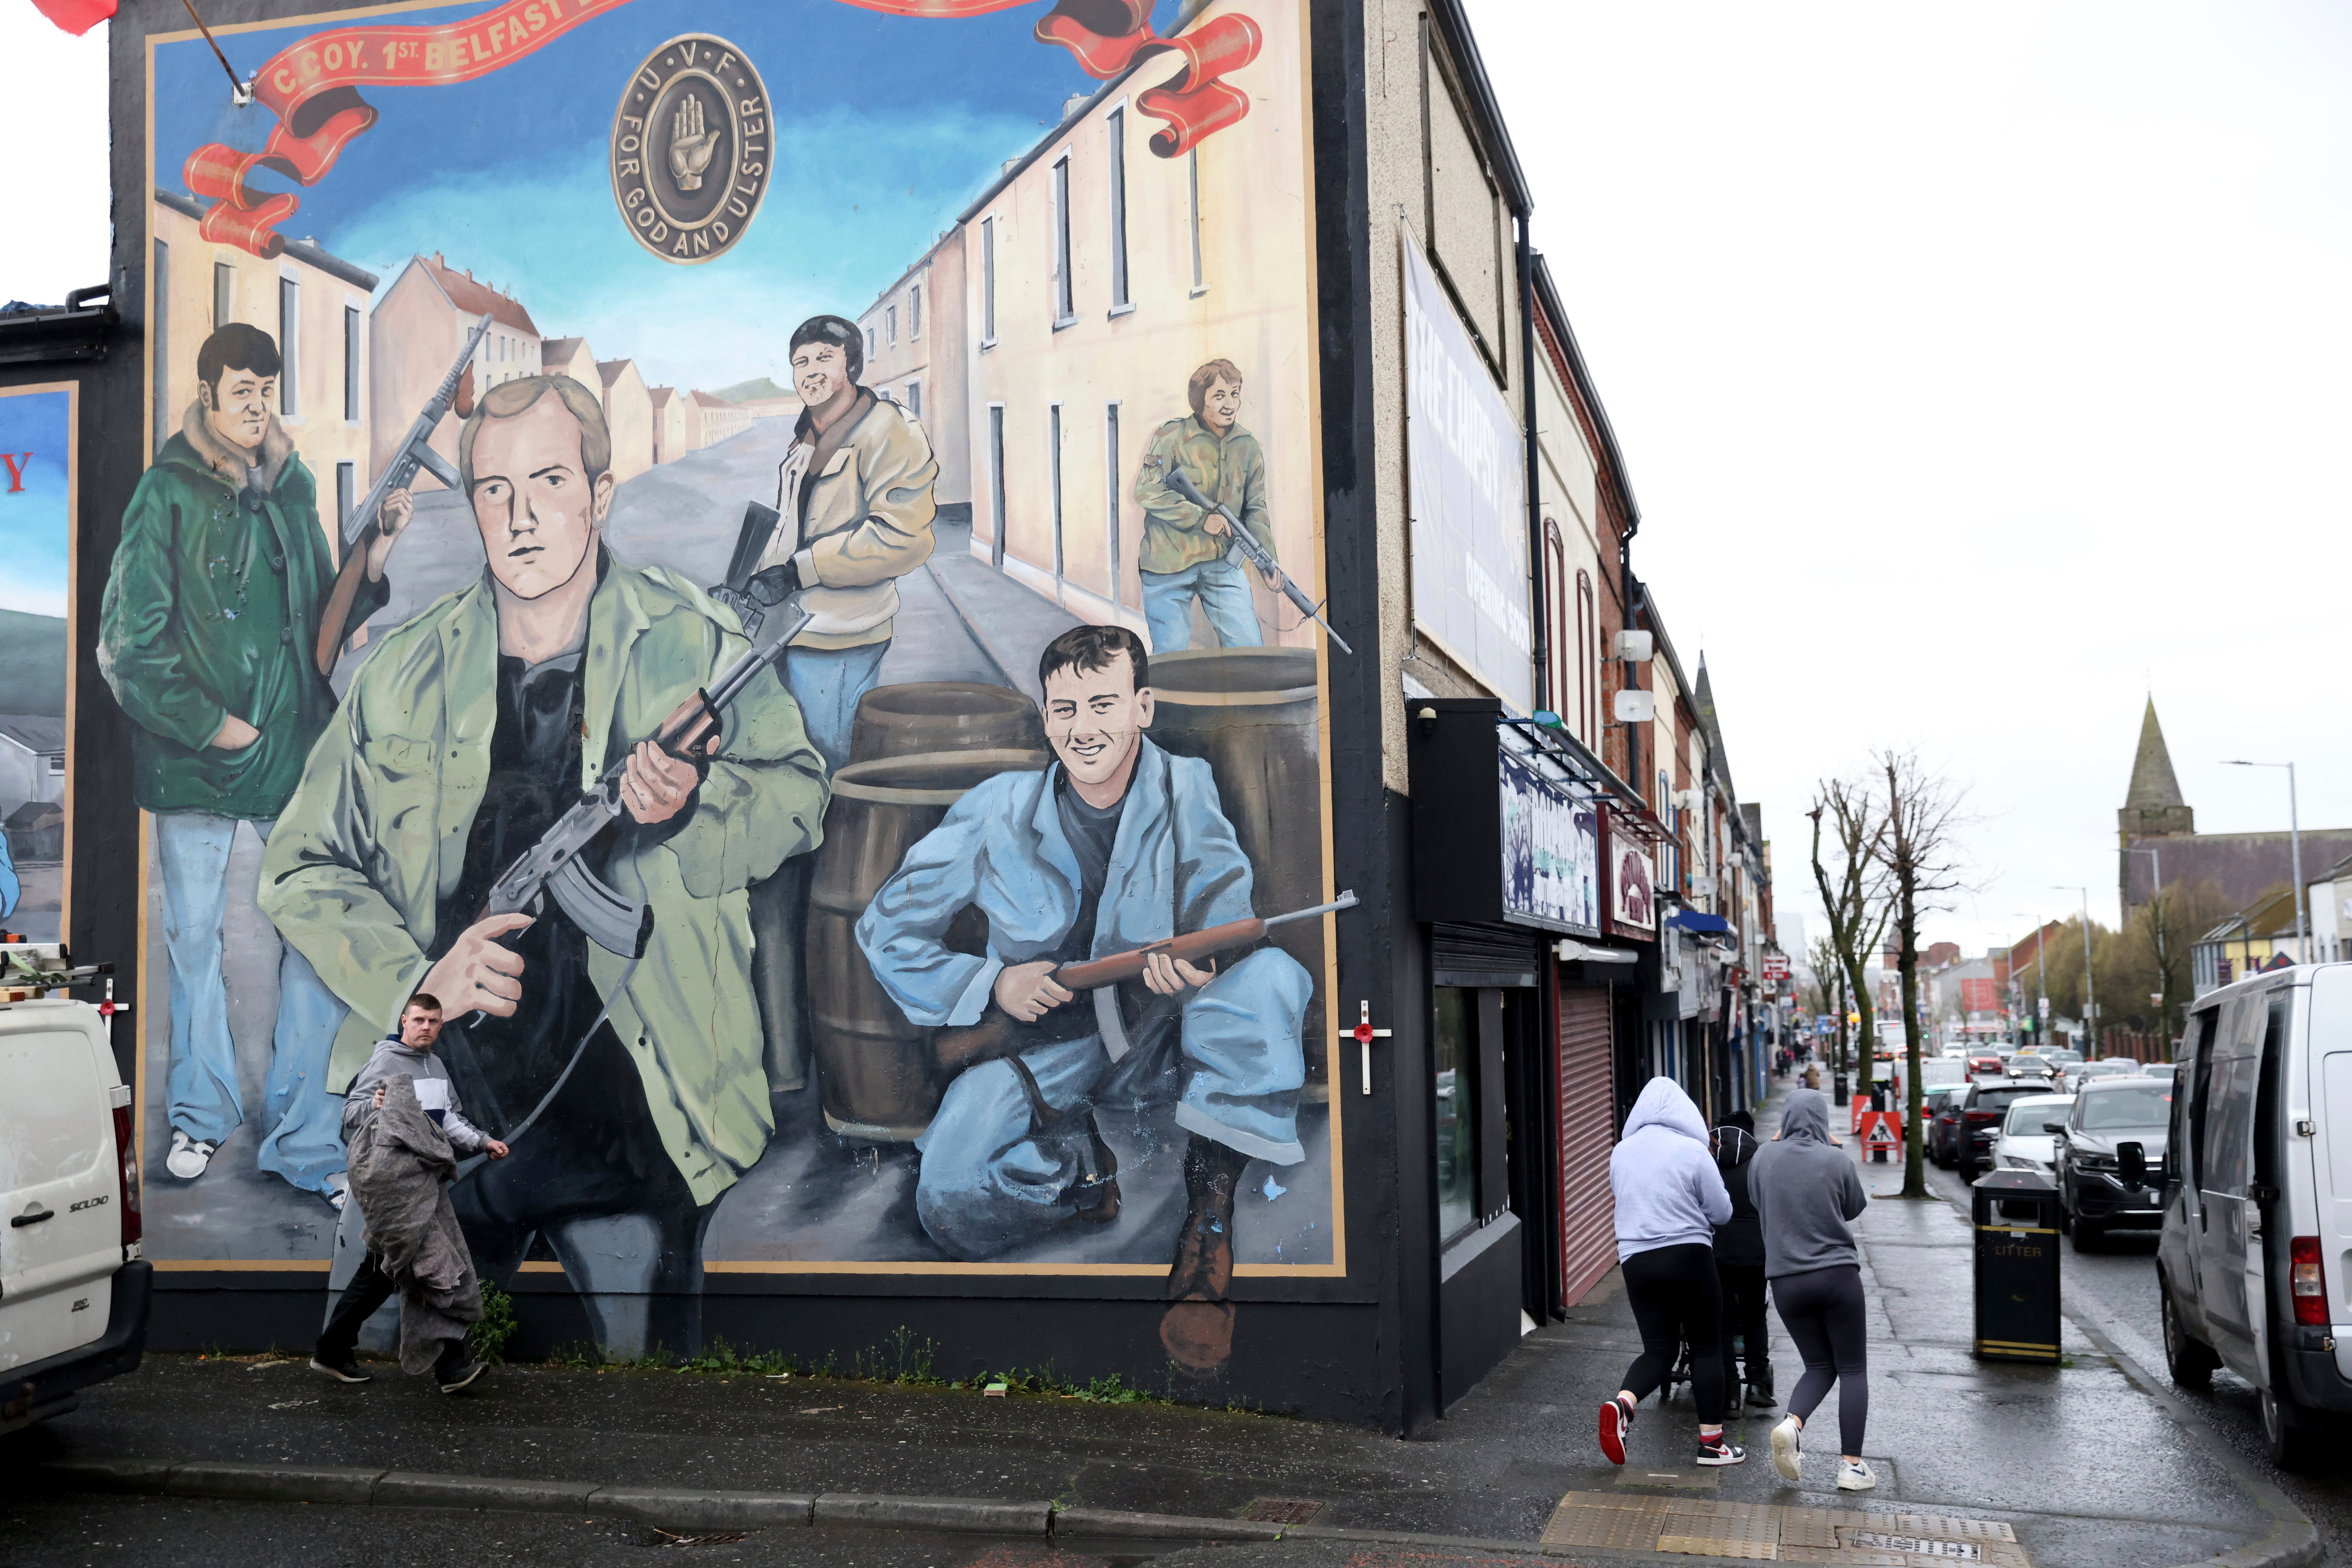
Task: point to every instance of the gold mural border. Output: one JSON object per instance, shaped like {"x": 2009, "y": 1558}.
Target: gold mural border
{"x": 73, "y": 389}
{"x": 1303, "y": 109}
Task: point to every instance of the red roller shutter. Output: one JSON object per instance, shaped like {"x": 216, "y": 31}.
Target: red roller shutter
{"x": 1588, "y": 1132}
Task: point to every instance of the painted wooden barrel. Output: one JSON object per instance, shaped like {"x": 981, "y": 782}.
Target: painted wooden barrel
{"x": 919, "y": 717}
{"x": 875, "y": 1069}
{"x": 1251, "y": 713}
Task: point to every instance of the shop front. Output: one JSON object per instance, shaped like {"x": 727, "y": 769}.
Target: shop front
{"x": 1531, "y": 986}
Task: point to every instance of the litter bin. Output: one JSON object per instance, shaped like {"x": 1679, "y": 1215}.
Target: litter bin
{"x": 2016, "y": 1215}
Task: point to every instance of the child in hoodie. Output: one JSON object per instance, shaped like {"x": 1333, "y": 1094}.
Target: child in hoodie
{"x": 1806, "y": 1191}
{"x": 1670, "y": 1198}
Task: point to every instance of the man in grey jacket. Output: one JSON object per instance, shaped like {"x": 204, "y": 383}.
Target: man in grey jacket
{"x": 409, "y": 1055}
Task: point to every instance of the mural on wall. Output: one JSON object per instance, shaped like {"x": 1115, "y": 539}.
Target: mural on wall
{"x": 37, "y": 532}
{"x": 787, "y": 605}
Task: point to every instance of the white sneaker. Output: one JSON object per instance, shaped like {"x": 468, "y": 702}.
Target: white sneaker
{"x": 1855, "y": 1475}
{"x": 1787, "y": 1457}
{"x": 188, "y": 1157}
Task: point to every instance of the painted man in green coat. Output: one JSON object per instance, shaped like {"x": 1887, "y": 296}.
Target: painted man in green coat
{"x": 207, "y": 636}
{"x": 465, "y": 734}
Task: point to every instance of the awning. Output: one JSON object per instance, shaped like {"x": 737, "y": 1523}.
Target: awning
{"x": 1698, "y": 923}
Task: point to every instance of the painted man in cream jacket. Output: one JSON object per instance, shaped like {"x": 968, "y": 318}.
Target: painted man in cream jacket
{"x": 855, "y": 505}
{"x": 854, "y": 511}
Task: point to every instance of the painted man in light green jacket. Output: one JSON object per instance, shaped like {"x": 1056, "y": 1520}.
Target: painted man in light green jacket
{"x": 465, "y": 734}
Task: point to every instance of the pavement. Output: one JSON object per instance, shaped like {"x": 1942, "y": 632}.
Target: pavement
{"x": 2088, "y": 1464}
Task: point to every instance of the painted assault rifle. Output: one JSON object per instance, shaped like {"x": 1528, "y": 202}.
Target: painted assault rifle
{"x": 359, "y": 529}
{"x": 1246, "y": 544}
{"x": 551, "y": 868}
{"x": 999, "y": 1034}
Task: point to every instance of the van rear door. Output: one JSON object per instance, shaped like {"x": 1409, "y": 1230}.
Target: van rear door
{"x": 63, "y": 1239}
{"x": 2331, "y": 1102}
{"x": 2230, "y": 1226}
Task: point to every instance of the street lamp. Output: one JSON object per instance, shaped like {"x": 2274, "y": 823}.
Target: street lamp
{"x": 2090, "y": 989}
{"x": 2295, "y": 847}
{"x": 2156, "y": 929}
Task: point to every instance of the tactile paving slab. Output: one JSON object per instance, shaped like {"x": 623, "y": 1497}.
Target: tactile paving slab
{"x": 1713, "y": 1527}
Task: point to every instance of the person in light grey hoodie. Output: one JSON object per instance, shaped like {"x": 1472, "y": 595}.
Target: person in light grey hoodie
{"x": 1670, "y": 1198}
{"x": 1806, "y": 1189}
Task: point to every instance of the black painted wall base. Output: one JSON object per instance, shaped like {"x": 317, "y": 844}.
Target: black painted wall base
{"x": 1316, "y": 1359}
{"x": 1478, "y": 1306}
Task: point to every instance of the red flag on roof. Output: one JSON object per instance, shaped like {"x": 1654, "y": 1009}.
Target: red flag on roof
{"x": 76, "y": 16}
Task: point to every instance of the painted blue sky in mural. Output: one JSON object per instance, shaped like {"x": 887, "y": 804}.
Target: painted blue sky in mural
{"x": 33, "y": 517}
{"x": 886, "y": 127}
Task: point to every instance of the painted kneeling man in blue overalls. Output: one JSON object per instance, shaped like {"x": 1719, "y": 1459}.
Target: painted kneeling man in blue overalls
{"x": 1115, "y": 846}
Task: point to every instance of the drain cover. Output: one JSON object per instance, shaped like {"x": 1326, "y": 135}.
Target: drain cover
{"x": 1281, "y": 1510}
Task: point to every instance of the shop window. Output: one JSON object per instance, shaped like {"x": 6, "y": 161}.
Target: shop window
{"x": 1456, "y": 1053}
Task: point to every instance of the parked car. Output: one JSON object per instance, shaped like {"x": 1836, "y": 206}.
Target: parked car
{"x": 74, "y": 1308}
{"x": 1981, "y": 1114}
{"x": 2252, "y": 1269}
{"x": 2027, "y": 1141}
{"x": 2071, "y": 1079}
{"x": 2092, "y": 1196}
{"x": 1936, "y": 1104}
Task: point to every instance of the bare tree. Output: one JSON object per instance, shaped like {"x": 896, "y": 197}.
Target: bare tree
{"x": 1916, "y": 853}
{"x": 1852, "y": 899}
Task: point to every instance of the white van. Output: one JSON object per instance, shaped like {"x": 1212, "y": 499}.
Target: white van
{"x": 73, "y": 1294}
{"x": 2255, "y": 1271}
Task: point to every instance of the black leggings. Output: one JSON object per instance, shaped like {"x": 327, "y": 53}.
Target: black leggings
{"x": 1743, "y": 1316}
{"x": 1676, "y": 1299}
{"x": 1823, "y": 1311}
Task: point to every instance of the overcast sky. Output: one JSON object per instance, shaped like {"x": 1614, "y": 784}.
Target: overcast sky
{"x": 1979, "y": 369}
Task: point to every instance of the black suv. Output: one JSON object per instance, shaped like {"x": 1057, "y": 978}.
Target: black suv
{"x": 1980, "y": 1111}
{"x": 2092, "y": 1196}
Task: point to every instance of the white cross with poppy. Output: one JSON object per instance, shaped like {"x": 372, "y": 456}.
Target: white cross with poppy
{"x": 1363, "y": 1034}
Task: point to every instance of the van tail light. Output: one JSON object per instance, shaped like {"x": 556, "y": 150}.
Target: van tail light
{"x": 126, "y": 1174}
{"x": 2310, "y": 1282}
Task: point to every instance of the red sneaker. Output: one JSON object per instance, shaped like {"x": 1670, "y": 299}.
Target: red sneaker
{"x": 1616, "y": 1420}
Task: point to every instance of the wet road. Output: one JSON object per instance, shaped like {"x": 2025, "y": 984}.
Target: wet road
{"x": 2113, "y": 1286}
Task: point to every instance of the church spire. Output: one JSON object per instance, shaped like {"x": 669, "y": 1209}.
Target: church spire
{"x": 2152, "y": 808}
{"x": 2153, "y": 786}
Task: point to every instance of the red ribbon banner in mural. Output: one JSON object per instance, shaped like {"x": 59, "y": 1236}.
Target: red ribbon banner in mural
{"x": 313, "y": 86}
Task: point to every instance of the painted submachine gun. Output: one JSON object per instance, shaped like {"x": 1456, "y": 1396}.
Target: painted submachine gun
{"x": 414, "y": 451}
{"x": 1245, "y": 545}
{"x": 552, "y": 868}
{"x": 998, "y": 1034}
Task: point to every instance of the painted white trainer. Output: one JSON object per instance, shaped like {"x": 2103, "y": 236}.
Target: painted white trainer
{"x": 1787, "y": 1458}
{"x": 1856, "y": 1476}
{"x": 188, "y": 1156}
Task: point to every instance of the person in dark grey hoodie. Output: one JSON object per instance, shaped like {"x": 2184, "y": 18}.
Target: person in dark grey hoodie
{"x": 1740, "y": 1267}
{"x": 1670, "y": 1198}
{"x": 1806, "y": 1191}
